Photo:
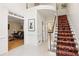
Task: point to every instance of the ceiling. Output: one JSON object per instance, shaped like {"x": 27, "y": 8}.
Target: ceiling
{"x": 47, "y": 13}
{"x": 14, "y": 19}
{"x": 61, "y": 5}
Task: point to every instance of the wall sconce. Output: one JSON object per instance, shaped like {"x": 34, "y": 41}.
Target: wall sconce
{"x": 50, "y": 28}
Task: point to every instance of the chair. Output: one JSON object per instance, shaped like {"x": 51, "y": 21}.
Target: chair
{"x": 18, "y": 35}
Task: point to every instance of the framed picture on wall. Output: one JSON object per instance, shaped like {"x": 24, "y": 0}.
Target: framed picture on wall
{"x": 31, "y": 24}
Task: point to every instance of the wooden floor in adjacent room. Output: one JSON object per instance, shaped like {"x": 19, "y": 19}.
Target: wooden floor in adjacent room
{"x": 15, "y": 43}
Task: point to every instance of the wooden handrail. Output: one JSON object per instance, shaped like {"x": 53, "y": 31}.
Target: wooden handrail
{"x": 54, "y": 23}
{"x": 52, "y": 31}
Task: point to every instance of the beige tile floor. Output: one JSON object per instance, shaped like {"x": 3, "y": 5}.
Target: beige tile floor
{"x": 27, "y": 50}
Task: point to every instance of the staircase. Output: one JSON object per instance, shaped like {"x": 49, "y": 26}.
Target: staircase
{"x": 65, "y": 40}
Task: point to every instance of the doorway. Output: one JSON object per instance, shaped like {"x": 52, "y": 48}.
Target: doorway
{"x": 15, "y": 32}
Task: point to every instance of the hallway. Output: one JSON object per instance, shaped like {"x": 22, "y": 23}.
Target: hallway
{"x": 27, "y": 50}
{"x": 35, "y": 25}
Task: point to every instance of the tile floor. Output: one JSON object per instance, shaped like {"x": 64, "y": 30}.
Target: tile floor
{"x": 27, "y": 50}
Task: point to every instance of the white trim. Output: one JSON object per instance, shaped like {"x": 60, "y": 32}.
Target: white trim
{"x": 16, "y": 16}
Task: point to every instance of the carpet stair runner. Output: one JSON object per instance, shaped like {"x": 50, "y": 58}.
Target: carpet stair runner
{"x": 65, "y": 41}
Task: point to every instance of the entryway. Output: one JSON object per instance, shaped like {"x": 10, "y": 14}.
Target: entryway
{"x": 15, "y": 32}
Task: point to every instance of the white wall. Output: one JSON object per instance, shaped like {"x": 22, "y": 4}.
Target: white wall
{"x": 18, "y": 8}
{"x": 43, "y": 29}
{"x": 73, "y": 16}
{"x": 41, "y": 26}
{"x": 4, "y": 9}
{"x": 14, "y": 26}
{"x": 30, "y": 5}
{"x": 61, "y": 11}
{"x": 3, "y": 29}
{"x": 29, "y": 37}
{"x": 32, "y": 37}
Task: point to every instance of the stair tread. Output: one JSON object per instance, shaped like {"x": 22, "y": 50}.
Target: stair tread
{"x": 65, "y": 30}
{"x": 66, "y": 53}
{"x": 65, "y": 37}
{"x": 66, "y": 41}
{"x": 63, "y": 25}
{"x": 67, "y": 47}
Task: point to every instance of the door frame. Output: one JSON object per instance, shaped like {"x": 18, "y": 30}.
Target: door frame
{"x": 22, "y": 18}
